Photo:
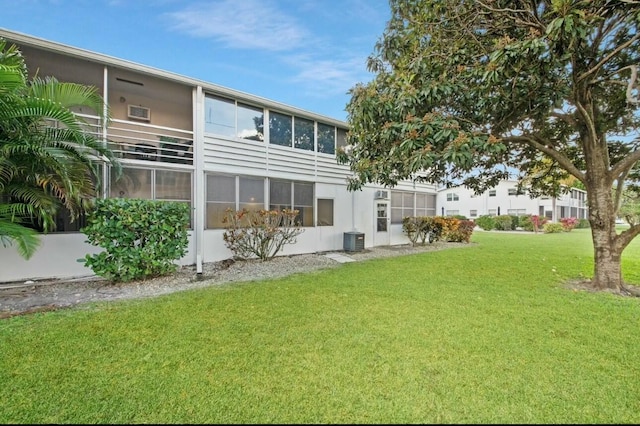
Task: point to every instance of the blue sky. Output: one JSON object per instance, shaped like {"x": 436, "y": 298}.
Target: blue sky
{"x": 304, "y": 53}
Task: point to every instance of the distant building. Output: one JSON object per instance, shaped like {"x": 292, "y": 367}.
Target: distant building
{"x": 503, "y": 199}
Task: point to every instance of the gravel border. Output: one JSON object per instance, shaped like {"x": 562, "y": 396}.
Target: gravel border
{"x": 22, "y": 298}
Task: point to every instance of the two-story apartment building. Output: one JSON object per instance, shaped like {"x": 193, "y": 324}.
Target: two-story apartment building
{"x": 191, "y": 141}
{"x": 504, "y": 199}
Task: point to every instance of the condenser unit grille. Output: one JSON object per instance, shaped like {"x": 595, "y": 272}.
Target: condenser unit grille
{"x": 353, "y": 241}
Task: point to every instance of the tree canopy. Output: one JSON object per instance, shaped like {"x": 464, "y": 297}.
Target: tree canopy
{"x": 467, "y": 92}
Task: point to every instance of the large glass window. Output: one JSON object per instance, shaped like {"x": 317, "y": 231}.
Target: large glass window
{"x": 227, "y": 118}
{"x": 326, "y": 139}
{"x": 325, "y": 212}
{"x": 250, "y": 123}
{"x": 280, "y": 129}
{"x": 421, "y": 205}
{"x": 152, "y": 184}
{"x": 251, "y": 193}
{"x": 221, "y": 195}
{"x": 402, "y": 205}
{"x": 303, "y": 201}
{"x": 280, "y": 195}
{"x": 303, "y": 134}
{"x": 133, "y": 183}
{"x": 341, "y": 141}
{"x": 220, "y": 116}
{"x": 292, "y": 195}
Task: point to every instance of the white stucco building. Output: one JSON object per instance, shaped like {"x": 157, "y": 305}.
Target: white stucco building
{"x": 503, "y": 200}
{"x": 212, "y": 147}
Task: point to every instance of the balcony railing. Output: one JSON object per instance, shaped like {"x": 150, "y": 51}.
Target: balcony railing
{"x": 146, "y": 142}
{"x": 140, "y": 141}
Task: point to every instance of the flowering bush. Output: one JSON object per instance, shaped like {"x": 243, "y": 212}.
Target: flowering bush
{"x": 260, "y": 233}
{"x": 538, "y": 222}
{"x": 568, "y": 223}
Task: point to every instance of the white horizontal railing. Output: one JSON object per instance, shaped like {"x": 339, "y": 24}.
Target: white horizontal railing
{"x": 142, "y": 141}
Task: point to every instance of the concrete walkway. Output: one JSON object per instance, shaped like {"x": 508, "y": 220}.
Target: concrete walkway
{"x": 339, "y": 257}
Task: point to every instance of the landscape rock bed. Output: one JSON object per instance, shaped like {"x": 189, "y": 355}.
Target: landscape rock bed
{"x": 21, "y": 298}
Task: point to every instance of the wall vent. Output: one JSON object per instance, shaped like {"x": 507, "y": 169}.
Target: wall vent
{"x": 139, "y": 113}
{"x": 382, "y": 195}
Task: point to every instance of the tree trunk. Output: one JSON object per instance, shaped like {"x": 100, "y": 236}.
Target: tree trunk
{"x": 607, "y": 272}
{"x": 607, "y": 252}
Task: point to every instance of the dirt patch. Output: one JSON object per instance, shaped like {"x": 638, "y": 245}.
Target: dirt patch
{"x": 587, "y": 285}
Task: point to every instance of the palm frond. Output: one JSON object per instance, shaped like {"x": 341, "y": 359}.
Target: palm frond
{"x": 26, "y": 239}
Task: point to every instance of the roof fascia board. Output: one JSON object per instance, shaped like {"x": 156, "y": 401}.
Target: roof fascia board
{"x": 107, "y": 60}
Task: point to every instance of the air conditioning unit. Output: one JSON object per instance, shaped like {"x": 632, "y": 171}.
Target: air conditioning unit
{"x": 353, "y": 241}
{"x": 139, "y": 113}
{"x": 382, "y": 195}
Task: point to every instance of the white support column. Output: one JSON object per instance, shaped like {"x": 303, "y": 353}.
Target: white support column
{"x": 106, "y": 182}
{"x": 198, "y": 189}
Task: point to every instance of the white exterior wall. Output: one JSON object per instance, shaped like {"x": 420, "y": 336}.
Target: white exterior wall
{"x": 484, "y": 204}
{"x": 353, "y": 211}
{"x": 57, "y": 258}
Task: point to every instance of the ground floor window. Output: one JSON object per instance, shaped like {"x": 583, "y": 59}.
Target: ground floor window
{"x": 408, "y": 204}
{"x": 242, "y": 192}
{"x": 284, "y": 194}
{"x": 325, "y": 212}
{"x": 152, "y": 184}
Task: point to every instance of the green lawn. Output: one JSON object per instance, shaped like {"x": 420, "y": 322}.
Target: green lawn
{"x": 483, "y": 334}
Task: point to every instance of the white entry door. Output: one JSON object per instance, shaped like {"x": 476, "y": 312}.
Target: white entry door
{"x": 382, "y": 223}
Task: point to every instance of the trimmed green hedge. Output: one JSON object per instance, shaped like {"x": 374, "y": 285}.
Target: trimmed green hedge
{"x": 141, "y": 238}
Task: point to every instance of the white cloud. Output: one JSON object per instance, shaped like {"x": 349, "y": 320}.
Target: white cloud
{"x": 328, "y": 77}
{"x": 246, "y": 24}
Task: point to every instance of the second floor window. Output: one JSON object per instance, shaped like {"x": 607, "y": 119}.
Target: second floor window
{"x": 226, "y": 117}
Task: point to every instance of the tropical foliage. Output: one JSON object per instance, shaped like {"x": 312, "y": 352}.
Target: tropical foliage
{"x": 47, "y": 160}
{"x": 140, "y": 238}
{"x": 466, "y": 92}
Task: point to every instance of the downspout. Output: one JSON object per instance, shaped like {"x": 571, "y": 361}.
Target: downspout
{"x": 198, "y": 196}
{"x": 353, "y": 211}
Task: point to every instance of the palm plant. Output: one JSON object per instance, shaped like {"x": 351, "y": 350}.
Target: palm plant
{"x": 47, "y": 160}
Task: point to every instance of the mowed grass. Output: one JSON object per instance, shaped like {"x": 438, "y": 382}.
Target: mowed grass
{"x": 487, "y": 333}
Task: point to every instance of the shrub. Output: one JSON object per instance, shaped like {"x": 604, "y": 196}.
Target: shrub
{"x": 141, "y": 238}
{"x": 583, "y": 224}
{"x": 568, "y": 223}
{"x": 552, "y": 228}
{"x": 413, "y": 227}
{"x": 462, "y": 232}
{"x": 515, "y": 222}
{"x": 486, "y": 222}
{"x": 422, "y": 229}
{"x": 260, "y": 233}
{"x": 525, "y": 223}
{"x": 503, "y": 223}
{"x": 537, "y": 222}
{"x": 448, "y": 225}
